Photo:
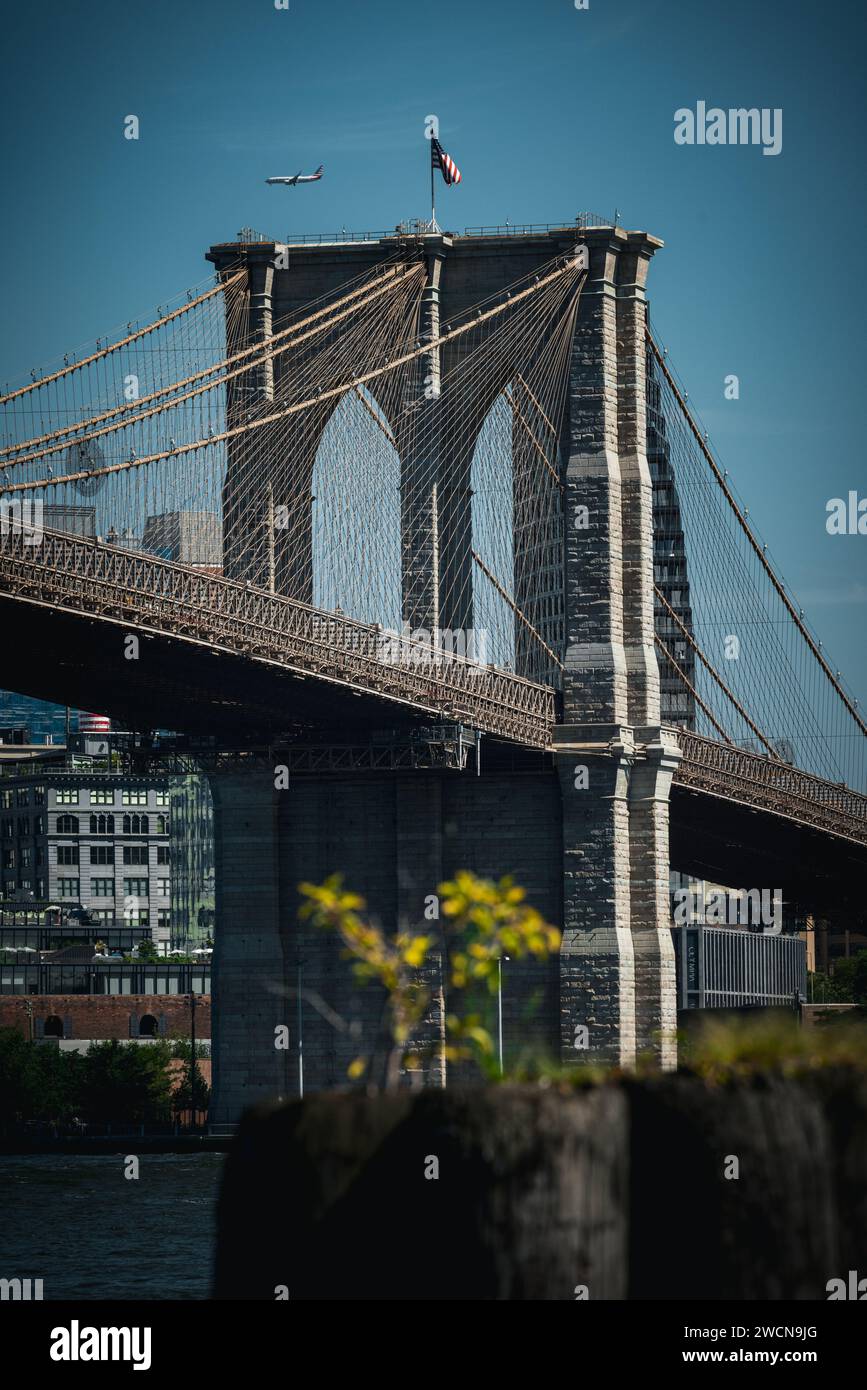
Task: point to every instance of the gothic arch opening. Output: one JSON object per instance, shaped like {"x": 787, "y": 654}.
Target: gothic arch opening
{"x": 492, "y": 487}
{"x": 517, "y": 535}
{"x": 356, "y": 530}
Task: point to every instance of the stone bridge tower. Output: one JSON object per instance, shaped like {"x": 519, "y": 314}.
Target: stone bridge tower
{"x": 583, "y": 827}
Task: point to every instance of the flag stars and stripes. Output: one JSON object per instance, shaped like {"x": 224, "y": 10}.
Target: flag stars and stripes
{"x": 444, "y": 162}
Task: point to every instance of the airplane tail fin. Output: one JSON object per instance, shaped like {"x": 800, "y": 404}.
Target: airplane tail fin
{"x": 321, "y": 167}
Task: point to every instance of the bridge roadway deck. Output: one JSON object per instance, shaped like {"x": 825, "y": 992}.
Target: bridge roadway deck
{"x": 148, "y": 595}
{"x": 233, "y": 656}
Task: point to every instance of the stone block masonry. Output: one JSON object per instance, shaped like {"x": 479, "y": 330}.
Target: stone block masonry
{"x": 394, "y": 838}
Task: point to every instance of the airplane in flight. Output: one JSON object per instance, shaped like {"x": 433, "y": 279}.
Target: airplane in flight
{"x": 292, "y": 179}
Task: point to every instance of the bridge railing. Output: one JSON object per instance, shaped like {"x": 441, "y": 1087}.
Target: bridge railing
{"x": 758, "y": 780}
{"x": 133, "y": 587}
{"x": 581, "y": 223}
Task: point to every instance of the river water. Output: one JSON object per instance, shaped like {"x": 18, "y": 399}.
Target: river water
{"x": 88, "y": 1232}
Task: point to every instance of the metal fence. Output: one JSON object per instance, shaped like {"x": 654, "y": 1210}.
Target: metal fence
{"x": 719, "y": 968}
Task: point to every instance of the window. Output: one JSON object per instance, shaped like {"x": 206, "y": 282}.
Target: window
{"x": 67, "y": 887}
{"x": 24, "y": 825}
{"x": 147, "y": 1026}
{"x": 40, "y": 856}
{"x": 38, "y": 796}
{"x": 164, "y": 916}
{"x": 25, "y": 885}
{"x": 161, "y": 799}
{"x": 162, "y": 825}
{"x": 40, "y": 888}
{"x": 53, "y": 1027}
{"x": 8, "y": 859}
{"x": 8, "y": 827}
{"x": 135, "y": 854}
{"x": 135, "y": 887}
{"x": 26, "y": 857}
{"x": 136, "y": 825}
{"x": 38, "y": 825}
{"x": 102, "y": 854}
{"x": 163, "y": 854}
{"x": 137, "y": 916}
{"x": 102, "y": 824}
{"x": 162, "y": 887}
{"x": 102, "y": 914}
{"x": 9, "y": 888}
{"x": 67, "y": 796}
{"x": 132, "y": 797}
{"x": 6, "y": 800}
{"x": 102, "y": 887}
{"x": 102, "y": 796}
{"x": 67, "y": 854}
{"x": 67, "y": 825}
{"x": 22, "y": 797}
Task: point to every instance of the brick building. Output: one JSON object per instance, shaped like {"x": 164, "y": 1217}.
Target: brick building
{"x": 82, "y": 1019}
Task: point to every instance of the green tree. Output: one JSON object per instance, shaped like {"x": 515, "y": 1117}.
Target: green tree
{"x": 181, "y": 1049}
{"x": 846, "y": 984}
{"x": 201, "y": 1091}
{"x": 17, "y": 1077}
{"x": 37, "y": 1080}
{"x": 849, "y": 980}
{"x": 126, "y": 1083}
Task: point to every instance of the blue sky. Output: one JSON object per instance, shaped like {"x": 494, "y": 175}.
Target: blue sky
{"x": 547, "y": 110}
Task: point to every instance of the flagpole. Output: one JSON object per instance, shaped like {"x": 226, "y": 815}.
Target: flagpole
{"x": 433, "y": 214}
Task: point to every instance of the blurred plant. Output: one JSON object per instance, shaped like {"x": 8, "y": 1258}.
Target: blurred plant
{"x": 724, "y": 1048}
{"x": 482, "y": 922}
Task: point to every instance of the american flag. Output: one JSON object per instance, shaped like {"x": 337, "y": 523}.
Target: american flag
{"x": 444, "y": 162}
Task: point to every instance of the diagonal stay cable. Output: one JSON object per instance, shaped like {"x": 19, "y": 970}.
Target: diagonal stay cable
{"x": 332, "y": 394}
{"x": 746, "y": 528}
{"x": 713, "y": 672}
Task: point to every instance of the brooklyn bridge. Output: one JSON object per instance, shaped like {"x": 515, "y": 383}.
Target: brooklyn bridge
{"x": 426, "y": 520}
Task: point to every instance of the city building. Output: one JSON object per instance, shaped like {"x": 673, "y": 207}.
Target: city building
{"x": 188, "y": 538}
{"x": 74, "y": 834}
{"x": 192, "y": 855}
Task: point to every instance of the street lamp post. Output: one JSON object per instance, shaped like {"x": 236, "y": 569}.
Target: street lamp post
{"x": 500, "y": 960}
{"x": 192, "y": 1053}
{"x": 299, "y": 962}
